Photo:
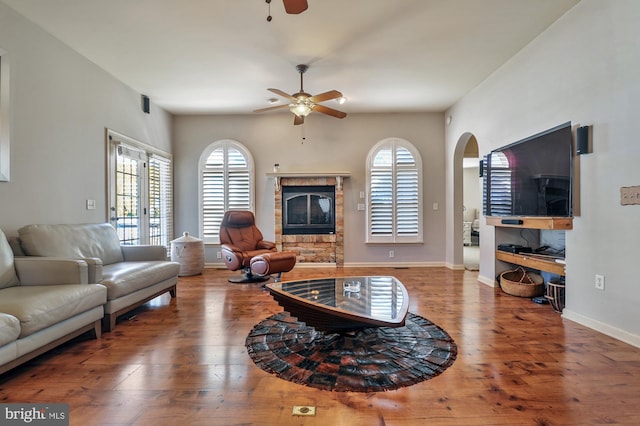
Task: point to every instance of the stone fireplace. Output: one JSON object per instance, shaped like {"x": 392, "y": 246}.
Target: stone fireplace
{"x": 311, "y": 205}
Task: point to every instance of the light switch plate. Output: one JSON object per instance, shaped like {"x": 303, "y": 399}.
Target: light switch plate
{"x": 629, "y": 195}
{"x": 91, "y": 204}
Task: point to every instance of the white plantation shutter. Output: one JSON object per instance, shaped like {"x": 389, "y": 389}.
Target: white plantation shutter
{"x": 381, "y": 203}
{"x": 239, "y": 181}
{"x": 213, "y": 200}
{"x": 160, "y": 201}
{"x": 501, "y": 203}
{"x": 395, "y": 193}
{"x": 226, "y": 171}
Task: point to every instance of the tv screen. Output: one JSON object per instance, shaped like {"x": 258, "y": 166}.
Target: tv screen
{"x": 531, "y": 177}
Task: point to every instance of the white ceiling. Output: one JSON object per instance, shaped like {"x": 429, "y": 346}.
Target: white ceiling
{"x": 220, "y": 56}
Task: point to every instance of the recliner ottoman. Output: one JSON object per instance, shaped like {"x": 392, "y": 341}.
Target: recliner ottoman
{"x": 273, "y": 263}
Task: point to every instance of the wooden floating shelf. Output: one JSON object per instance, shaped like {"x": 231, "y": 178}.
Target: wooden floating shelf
{"x": 532, "y": 222}
{"x": 530, "y": 261}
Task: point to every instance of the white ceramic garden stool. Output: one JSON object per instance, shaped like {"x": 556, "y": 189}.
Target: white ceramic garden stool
{"x": 188, "y": 251}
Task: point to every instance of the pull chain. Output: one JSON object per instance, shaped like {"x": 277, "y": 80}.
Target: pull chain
{"x": 269, "y": 18}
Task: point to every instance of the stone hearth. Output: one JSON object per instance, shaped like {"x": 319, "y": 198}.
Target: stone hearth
{"x": 324, "y": 248}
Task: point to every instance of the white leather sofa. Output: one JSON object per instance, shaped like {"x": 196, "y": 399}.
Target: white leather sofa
{"x": 132, "y": 275}
{"x": 43, "y": 303}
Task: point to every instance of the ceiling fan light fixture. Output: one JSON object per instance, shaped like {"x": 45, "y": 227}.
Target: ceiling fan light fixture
{"x": 301, "y": 109}
{"x": 341, "y": 100}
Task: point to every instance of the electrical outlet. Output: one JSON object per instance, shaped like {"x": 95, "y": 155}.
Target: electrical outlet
{"x": 219, "y": 255}
{"x": 600, "y": 282}
{"x": 391, "y": 253}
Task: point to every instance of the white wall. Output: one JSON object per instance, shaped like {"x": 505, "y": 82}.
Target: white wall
{"x": 330, "y": 145}
{"x": 585, "y": 68}
{"x": 61, "y": 104}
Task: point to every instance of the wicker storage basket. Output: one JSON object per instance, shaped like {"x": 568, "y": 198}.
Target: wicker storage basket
{"x": 555, "y": 294}
{"x": 189, "y": 252}
{"x": 522, "y": 283}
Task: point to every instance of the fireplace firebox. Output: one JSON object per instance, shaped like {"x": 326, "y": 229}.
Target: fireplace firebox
{"x": 308, "y": 210}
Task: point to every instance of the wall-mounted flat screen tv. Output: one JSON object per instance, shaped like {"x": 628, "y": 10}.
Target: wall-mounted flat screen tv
{"x": 531, "y": 177}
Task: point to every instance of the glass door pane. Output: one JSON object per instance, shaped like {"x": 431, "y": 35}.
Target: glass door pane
{"x": 128, "y": 214}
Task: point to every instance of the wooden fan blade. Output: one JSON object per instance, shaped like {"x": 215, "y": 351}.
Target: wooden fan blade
{"x": 283, "y": 94}
{"x": 295, "y": 6}
{"x": 330, "y": 111}
{"x": 298, "y": 120}
{"x": 326, "y": 96}
{"x": 271, "y": 108}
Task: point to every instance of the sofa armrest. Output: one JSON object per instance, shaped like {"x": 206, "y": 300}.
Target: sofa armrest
{"x": 95, "y": 269}
{"x": 143, "y": 253}
{"x": 51, "y": 271}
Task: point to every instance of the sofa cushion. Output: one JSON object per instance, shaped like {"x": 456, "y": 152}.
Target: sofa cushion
{"x": 38, "y": 307}
{"x": 9, "y": 329}
{"x": 74, "y": 241}
{"x": 8, "y": 277}
{"x": 127, "y": 277}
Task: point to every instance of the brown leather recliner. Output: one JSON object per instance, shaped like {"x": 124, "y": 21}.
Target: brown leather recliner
{"x": 240, "y": 241}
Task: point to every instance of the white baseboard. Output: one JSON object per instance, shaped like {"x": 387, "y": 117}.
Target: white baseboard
{"x": 487, "y": 280}
{"x": 603, "y": 328}
{"x": 454, "y": 267}
{"x": 355, "y": 265}
{"x": 315, "y": 265}
{"x": 215, "y": 266}
{"x": 393, "y": 264}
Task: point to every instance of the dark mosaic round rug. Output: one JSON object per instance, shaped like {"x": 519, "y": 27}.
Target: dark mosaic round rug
{"x": 370, "y": 360}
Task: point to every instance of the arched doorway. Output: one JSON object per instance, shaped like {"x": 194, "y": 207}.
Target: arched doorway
{"x": 467, "y": 202}
{"x": 471, "y": 204}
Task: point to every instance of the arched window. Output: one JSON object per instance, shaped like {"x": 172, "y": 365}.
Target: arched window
{"x": 226, "y": 173}
{"x": 394, "y": 185}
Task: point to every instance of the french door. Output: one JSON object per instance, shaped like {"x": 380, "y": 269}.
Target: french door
{"x": 140, "y": 192}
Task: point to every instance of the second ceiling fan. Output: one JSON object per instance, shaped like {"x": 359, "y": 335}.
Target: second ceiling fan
{"x": 302, "y": 103}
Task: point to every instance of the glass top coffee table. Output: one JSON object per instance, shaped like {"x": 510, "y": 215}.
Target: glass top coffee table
{"x": 346, "y": 303}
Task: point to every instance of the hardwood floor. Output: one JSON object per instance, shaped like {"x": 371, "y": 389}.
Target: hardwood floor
{"x": 182, "y": 361}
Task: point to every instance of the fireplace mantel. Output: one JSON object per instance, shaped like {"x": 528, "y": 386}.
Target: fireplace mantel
{"x": 338, "y": 175}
